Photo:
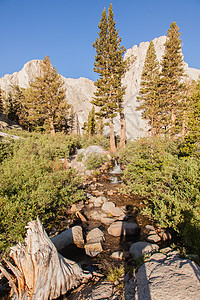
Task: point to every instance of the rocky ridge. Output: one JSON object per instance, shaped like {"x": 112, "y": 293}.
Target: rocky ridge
{"x": 80, "y": 91}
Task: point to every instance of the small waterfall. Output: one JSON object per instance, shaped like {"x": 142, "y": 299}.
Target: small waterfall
{"x": 115, "y": 172}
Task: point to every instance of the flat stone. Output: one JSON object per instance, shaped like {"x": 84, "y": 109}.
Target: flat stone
{"x": 123, "y": 228}
{"x": 95, "y": 234}
{"x": 107, "y": 206}
{"x": 153, "y": 238}
{"x": 139, "y": 249}
{"x": 107, "y": 221}
{"x": 171, "y": 278}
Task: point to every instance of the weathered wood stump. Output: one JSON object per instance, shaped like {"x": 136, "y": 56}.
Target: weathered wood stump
{"x": 41, "y": 273}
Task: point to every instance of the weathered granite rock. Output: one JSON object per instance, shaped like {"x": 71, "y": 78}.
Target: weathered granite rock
{"x": 153, "y": 238}
{"x": 113, "y": 210}
{"x": 107, "y": 221}
{"x": 123, "y": 228}
{"x": 168, "y": 277}
{"x": 139, "y": 249}
{"x": 94, "y": 239}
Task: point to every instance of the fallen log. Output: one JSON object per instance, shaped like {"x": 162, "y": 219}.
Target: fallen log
{"x": 41, "y": 273}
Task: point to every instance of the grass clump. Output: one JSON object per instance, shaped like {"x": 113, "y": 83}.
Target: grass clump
{"x": 114, "y": 273}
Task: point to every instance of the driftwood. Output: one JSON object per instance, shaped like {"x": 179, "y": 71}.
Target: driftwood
{"x": 41, "y": 273}
{"x": 73, "y": 235}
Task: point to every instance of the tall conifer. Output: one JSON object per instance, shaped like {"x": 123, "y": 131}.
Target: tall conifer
{"x": 1, "y": 101}
{"x": 172, "y": 88}
{"x": 148, "y": 94}
{"x": 110, "y": 65}
{"x": 46, "y": 98}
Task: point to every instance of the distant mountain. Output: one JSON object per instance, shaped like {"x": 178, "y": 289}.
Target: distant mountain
{"x": 80, "y": 91}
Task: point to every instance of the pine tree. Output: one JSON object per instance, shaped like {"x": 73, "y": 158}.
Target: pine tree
{"x": 110, "y": 65}
{"x": 91, "y": 123}
{"x": 172, "y": 88}
{"x": 194, "y": 113}
{"x": 45, "y": 99}
{"x": 1, "y": 101}
{"x": 148, "y": 94}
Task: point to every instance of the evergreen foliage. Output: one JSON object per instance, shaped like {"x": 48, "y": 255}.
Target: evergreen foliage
{"x": 109, "y": 64}
{"x": 194, "y": 112}
{"x": 91, "y": 123}
{"x": 148, "y": 94}
{"x": 172, "y": 88}
{"x": 169, "y": 185}
{"x": 34, "y": 182}
{"x": 1, "y": 101}
{"x": 46, "y": 100}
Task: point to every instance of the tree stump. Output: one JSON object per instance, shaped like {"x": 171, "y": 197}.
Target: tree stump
{"x": 41, "y": 273}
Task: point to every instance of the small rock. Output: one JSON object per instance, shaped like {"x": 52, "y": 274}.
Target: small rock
{"x": 139, "y": 249}
{"x": 165, "y": 234}
{"x": 123, "y": 228}
{"x": 107, "y": 206}
{"x": 112, "y": 209}
{"x": 107, "y": 221}
{"x": 98, "y": 202}
{"x": 93, "y": 249}
{"x": 94, "y": 239}
{"x": 98, "y": 193}
{"x": 153, "y": 238}
{"x": 95, "y": 234}
{"x": 149, "y": 229}
{"x": 117, "y": 255}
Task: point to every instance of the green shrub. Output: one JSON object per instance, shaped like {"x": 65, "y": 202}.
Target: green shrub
{"x": 169, "y": 184}
{"x": 34, "y": 182}
{"x": 95, "y": 161}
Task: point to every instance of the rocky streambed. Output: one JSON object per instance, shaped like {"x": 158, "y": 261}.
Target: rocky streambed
{"x": 129, "y": 257}
{"x": 127, "y": 254}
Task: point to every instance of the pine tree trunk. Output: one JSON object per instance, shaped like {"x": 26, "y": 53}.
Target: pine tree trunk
{"x": 123, "y": 130}
{"x": 183, "y": 125}
{"x": 112, "y": 138}
{"x": 52, "y": 126}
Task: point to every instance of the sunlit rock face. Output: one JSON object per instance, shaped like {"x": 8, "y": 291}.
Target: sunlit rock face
{"x": 79, "y": 92}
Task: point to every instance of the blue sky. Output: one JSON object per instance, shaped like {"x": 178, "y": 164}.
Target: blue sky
{"x": 66, "y": 29}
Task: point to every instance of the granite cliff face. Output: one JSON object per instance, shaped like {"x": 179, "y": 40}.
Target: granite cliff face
{"x": 80, "y": 91}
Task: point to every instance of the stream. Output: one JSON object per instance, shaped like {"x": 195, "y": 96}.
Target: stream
{"x": 107, "y": 184}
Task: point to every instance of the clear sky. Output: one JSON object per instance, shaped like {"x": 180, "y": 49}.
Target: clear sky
{"x": 66, "y": 29}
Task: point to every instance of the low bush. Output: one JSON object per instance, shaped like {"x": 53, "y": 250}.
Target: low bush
{"x": 95, "y": 161}
{"x": 34, "y": 182}
{"x": 169, "y": 184}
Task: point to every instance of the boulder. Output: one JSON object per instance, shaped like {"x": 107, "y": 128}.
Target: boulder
{"x": 139, "y": 249}
{"x": 168, "y": 277}
{"x": 123, "y": 228}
